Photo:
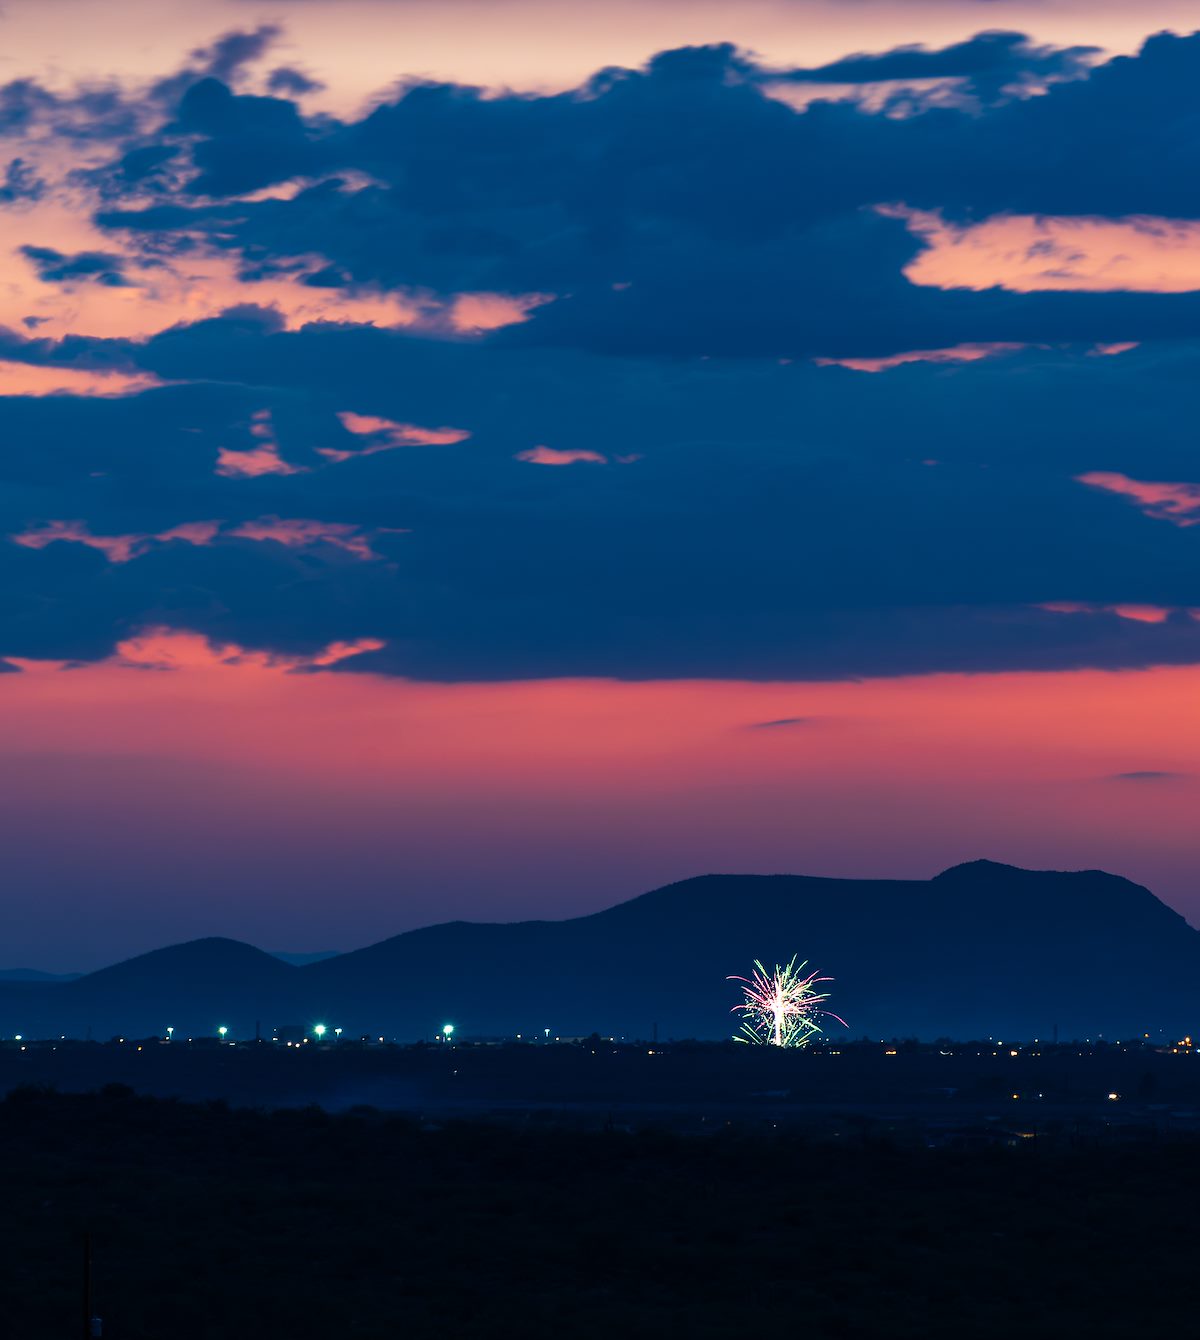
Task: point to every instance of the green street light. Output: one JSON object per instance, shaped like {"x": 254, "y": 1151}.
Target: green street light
{"x": 447, "y": 1030}
{"x": 222, "y": 1030}
{"x": 319, "y": 1031}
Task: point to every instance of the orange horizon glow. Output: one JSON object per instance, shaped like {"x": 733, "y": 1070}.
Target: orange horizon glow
{"x": 479, "y": 785}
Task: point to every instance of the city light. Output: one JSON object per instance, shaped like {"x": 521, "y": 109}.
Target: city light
{"x": 170, "y": 1033}
{"x": 222, "y": 1030}
{"x": 319, "y": 1030}
{"x": 781, "y": 1008}
{"x": 447, "y": 1030}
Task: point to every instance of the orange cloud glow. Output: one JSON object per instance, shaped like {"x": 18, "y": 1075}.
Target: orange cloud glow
{"x": 29, "y": 379}
{"x": 479, "y": 312}
{"x": 166, "y": 649}
{"x": 1025, "y": 253}
{"x": 201, "y": 284}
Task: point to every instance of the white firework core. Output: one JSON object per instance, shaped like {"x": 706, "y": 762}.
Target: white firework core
{"x": 781, "y": 1008}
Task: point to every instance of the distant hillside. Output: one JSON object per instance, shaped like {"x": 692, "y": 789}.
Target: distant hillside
{"x": 299, "y": 960}
{"x": 982, "y": 949}
{"x": 35, "y": 975}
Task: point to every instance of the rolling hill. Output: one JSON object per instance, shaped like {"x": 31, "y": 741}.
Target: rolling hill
{"x": 980, "y": 950}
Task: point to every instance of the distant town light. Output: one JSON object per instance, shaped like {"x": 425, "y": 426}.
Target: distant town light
{"x": 447, "y": 1029}
{"x": 319, "y": 1030}
{"x": 18, "y": 1037}
{"x": 170, "y": 1031}
{"x": 222, "y": 1030}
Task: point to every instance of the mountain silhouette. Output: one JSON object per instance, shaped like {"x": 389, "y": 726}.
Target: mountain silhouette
{"x": 36, "y": 975}
{"x": 981, "y": 950}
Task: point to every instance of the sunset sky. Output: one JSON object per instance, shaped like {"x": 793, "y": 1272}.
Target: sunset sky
{"x": 488, "y": 458}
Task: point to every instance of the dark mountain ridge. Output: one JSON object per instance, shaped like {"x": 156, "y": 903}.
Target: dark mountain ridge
{"x": 980, "y": 950}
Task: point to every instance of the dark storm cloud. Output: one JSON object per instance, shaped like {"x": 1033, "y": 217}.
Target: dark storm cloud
{"x": 226, "y": 59}
{"x": 92, "y": 267}
{"x": 681, "y": 210}
{"x": 989, "y": 63}
{"x": 752, "y": 517}
{"x": 21, "y": 182}
{"x": 284, "y": 79}
{"x": 99, "y": 112}
{"x": 237, "y": 134}
{"x": 108, "y": 111}
{"x": 764, "y": 533}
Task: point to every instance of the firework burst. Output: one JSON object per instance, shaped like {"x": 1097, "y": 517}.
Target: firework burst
{"x": 782, "y": 1007}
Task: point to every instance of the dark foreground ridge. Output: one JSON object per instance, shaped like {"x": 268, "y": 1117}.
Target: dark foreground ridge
{"x": 981, "y": 950}
{"x": 215, "y": 1224}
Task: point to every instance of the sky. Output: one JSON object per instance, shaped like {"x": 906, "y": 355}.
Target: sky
{"x": 487, "y": 459}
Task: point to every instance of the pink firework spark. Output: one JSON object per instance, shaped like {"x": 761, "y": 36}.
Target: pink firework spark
{"x": 782, "y": 1007}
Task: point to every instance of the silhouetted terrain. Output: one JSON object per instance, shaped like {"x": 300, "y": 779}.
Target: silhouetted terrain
{"x": 212, "y": 1224}
{"x": 930, "y": 1087}
{"x": 981, "y": 950}
{"x": 33, "y": 975}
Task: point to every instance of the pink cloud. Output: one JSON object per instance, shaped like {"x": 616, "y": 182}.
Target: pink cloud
{"x": 116, "y": 548}
{"x": 1137, "y": 613}
{"x": 477, "y": 312}
{"x": 170, "y": 649}
{"x": 192, "y": 532}
{"x": 290, "y": 531}
{"x": 958, "y": 353}
{"x": 261, "y": 460}
{"x": 28, "y": 379}
{"x": 298, "y": 533}
{"x": 1025, "y": 253}
{"x": 386, "y": 434}
{"x": 1164, "y": 501}
{"x": 541, "y": 455}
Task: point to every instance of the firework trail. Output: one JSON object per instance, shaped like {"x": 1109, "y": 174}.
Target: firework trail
{"x": 781, "y": 1008}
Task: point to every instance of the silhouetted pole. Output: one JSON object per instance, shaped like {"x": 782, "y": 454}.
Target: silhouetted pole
{"x": 87, "y": 1287}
